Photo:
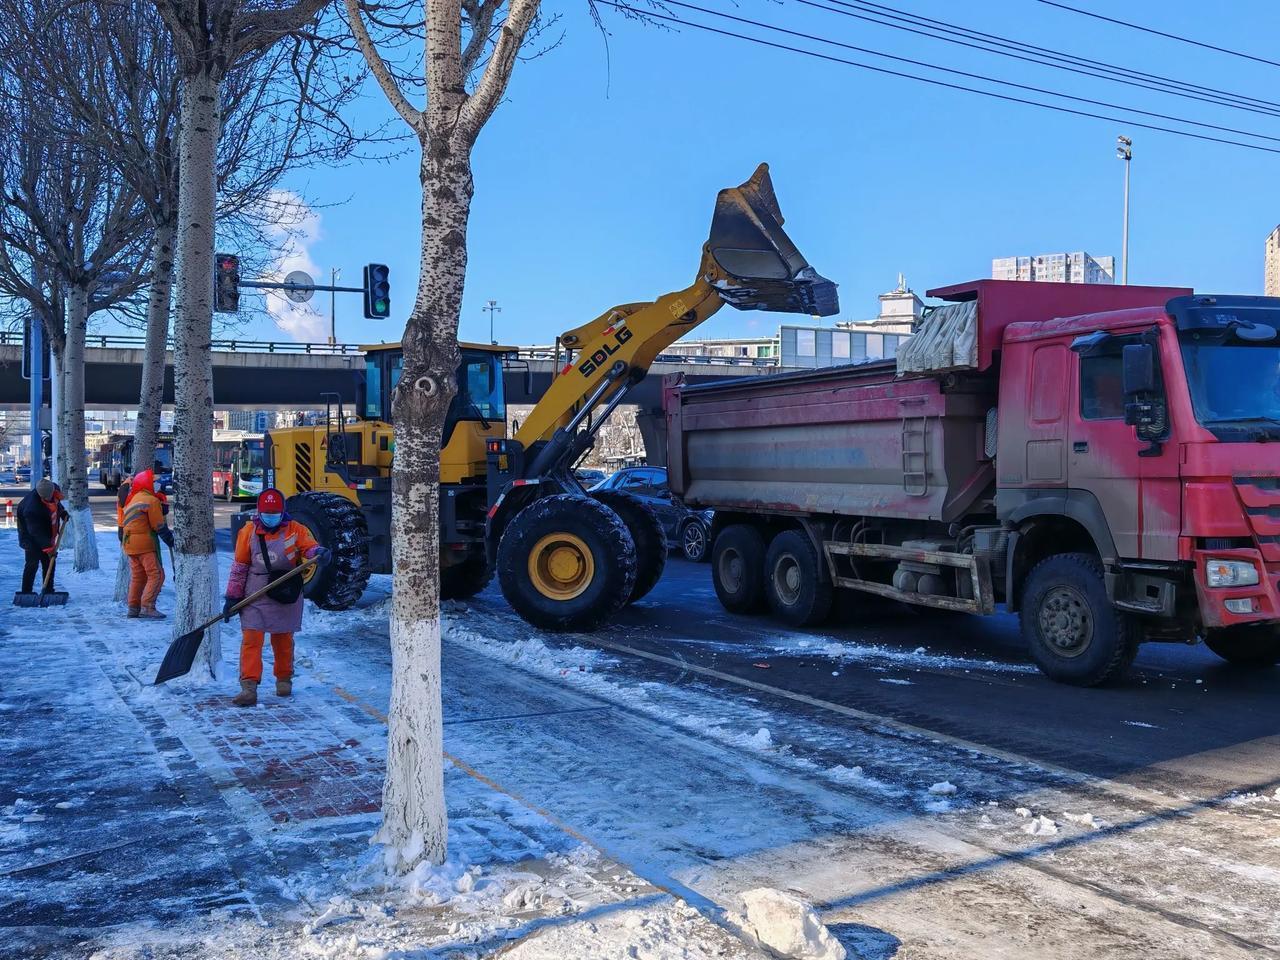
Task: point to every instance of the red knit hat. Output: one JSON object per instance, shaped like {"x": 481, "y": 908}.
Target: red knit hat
{"x": 271, "y": 500}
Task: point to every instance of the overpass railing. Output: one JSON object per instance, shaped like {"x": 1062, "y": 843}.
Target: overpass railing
{"x": 128, "y": 342}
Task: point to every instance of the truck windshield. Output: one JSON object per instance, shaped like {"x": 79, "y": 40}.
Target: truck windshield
{"x": 1235, "y": 388}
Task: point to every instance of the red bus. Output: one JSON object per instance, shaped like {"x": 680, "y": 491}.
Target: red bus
{"x": 238, "y": 461}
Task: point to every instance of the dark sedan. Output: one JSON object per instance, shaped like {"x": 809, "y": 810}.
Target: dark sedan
{"x": 688, "y": 530}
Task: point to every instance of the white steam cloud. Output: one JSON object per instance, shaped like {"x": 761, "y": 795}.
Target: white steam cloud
{"x": 298, "y": 228}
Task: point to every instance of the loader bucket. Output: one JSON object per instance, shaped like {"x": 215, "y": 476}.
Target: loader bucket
{"x": 754, "y": 264}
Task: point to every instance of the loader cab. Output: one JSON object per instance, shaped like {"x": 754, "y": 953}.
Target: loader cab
{"x": 477, "y": 413}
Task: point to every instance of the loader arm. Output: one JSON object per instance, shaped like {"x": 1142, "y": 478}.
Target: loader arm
{"x": 748, "y": 262}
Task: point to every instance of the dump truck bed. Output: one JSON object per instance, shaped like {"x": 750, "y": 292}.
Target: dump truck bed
{"x": 853, "y": 440}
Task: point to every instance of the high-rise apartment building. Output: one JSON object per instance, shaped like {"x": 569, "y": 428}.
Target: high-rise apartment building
{"x": 1271, "y": 265}
{"x": 1077, "y": 267}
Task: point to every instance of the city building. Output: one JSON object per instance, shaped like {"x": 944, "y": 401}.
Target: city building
{"x": 1271, "y": 262}
{"x": 849, "y": 341}
{"x": 1077, "y": 267}
{"x": 746, "y": 348}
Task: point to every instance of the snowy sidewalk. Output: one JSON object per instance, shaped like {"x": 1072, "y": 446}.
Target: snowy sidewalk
{"x": 145, "y": 822}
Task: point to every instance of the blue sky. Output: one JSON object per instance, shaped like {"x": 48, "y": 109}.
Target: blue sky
{"x": 595, "y": 180}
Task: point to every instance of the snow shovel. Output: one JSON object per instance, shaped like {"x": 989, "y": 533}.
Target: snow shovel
{"x": 46, "y": 597}
{"x": 182, "y": 652}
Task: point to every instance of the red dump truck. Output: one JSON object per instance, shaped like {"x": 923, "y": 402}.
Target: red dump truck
{"x": 1101, "y": 460}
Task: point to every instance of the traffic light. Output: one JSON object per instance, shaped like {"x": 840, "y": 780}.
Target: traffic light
{"x": 226, "y": 283}
{"x": 377, "y": 292}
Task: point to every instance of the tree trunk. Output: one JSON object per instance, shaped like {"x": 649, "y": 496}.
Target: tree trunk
{"x": 414, "y": 823}
{"x": 76, "y": 487}
{"x": 196, "y": 565}
{"x": 151, "y": 399}
{"x": 57, "y": 415}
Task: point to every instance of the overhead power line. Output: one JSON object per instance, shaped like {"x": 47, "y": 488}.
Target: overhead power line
{"x": 1160, "y": 33}
{"x": 952, "y": 33}
{"x": 654, "y": 15}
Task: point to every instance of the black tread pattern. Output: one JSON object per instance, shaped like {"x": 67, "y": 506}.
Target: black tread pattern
{"x": 340, "y": 525}
{"x": 749, "y": 543}
{"x": 814, "y": 603}
{"x": 612, "y": 548}
{"x": 646, "y": 532}
{"x": 1123, "y": 635}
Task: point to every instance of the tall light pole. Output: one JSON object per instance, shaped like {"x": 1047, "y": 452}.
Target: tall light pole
{"x": 492, "y": 307}
{"x": 1124, "y": 151}
{"x": 334, "y": 274}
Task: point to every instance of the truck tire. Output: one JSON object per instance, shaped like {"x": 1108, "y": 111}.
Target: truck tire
{"x": 567, "y": 563}
{"x": 793, "y": 580}
{"x": 737, "y": 568}
{"x": 1073, "y": 632}
{"x": 337, "y": 523}
{"x": 647, "y": 534}
{"x": 460, "y": 581}
{"x": 1246, "y": 646}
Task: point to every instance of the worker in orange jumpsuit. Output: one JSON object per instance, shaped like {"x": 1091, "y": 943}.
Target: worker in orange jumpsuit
{"x": 269, "y": 545}
{"x": 142, "y": 527}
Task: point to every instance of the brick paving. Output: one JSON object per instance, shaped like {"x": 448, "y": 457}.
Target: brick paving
{"x": 272, "y": 751}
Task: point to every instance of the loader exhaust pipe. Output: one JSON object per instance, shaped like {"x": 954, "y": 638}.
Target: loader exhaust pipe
{"x": 752, "y": 262}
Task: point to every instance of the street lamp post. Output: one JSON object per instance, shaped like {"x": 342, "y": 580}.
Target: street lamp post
{"x": 492, "y": 307}
{"x": 334, "y": 274}
{"x": 1124, "y": 151}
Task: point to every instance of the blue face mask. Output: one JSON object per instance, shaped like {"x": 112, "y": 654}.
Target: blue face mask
{"x": 271, "y": 520}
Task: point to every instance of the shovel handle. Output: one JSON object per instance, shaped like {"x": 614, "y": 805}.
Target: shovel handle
{"x": 257, "y": 594}
{"x": 57, "y": 544}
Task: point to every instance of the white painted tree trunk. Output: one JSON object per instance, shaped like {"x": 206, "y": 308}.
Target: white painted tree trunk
{"x": 57, "y": 416}
{"x": 151, "y": 398}
{"x": 414, "y": 821}
{"x": 192, "y": 512}
{"x": 76, "y": 487}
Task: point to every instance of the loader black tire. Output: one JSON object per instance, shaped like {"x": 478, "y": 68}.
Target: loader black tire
{"x": 1246, "y": 646}
{"x": 567, "y": 562}
{"x": 464, "y": 580}
{"x": 737, "y": 568}
{"x": 337, "y": 523}
{"x": 647, "y": 533}
{"x": 1072, "y": 630}
{"x": 794, "y": 580}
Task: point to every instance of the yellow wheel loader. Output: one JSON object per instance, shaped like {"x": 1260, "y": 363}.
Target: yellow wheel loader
{"x": 566, "y": 559}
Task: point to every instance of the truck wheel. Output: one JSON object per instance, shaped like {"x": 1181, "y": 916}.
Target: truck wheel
{"x": 737, "y": 568}
{"x": 798, "y": 592}
{"x": 647, "y": 534}
{"x": 1246, "y": 646}
{"x": 567, "y": 563}
{"x": 337, "y": 523}
{"x": 460, "y": 581}
{"x": 1073, "y": 632}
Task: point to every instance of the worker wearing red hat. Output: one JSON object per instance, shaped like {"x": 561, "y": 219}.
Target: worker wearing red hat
{"x": 142, "y": 527}
{"x": 269, "y": 545}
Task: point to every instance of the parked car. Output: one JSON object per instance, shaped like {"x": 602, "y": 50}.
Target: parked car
{"x": 687, "y": 530}
{"x": 24, "y": 475}
{"x": 589, "y": 477}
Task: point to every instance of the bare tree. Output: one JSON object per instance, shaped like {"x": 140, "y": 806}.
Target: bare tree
{"x": 211, "y": 39}
{"x": 72, "y": 232}
{"x": 468, "y": 42}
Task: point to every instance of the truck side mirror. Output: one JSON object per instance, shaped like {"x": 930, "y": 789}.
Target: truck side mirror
{"x": 1139, "y": 369}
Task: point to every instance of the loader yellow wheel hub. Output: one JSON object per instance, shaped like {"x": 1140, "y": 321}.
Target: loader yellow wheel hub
{"x": 561, "y": 566}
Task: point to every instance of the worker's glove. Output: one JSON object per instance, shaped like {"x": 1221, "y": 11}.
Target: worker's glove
{"x": 323, "y": 555}
{"x": 166, "y": 535}
{"x": 227, "y": 604}
{"x": 49, "y": 550}
{"x": 62, "y": 513}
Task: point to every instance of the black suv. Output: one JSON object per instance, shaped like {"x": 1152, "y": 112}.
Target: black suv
{"x": 689, "y": 530}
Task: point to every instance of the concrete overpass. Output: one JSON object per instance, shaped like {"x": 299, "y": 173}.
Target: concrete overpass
{"x": 255, "y": 375}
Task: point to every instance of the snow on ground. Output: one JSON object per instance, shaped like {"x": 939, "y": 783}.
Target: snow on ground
{"x": 600, "y": 806}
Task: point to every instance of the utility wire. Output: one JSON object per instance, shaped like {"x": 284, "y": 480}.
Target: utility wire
{"x": 1161, "y": 33}
{"x": 1018, "y": 50}
{"x": 962, "y": 73}
{"x": 653, "y": 15}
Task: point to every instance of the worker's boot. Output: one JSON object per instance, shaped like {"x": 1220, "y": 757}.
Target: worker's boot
{"x": 248, "y": 695}
{"x": 134, "y": 613}
{"x": 150, "y": 613}
{"x": 284, "y": 688}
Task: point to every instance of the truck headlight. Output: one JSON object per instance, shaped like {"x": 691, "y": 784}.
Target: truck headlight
{"x": 1230, "y": 573}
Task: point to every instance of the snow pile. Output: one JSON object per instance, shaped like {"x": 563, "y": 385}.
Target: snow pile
{"x": 1082, "y": 820}
{"x": 787, "y": 926}
{"x": 943, "y": 789}
{"x": 1040, "y": 826}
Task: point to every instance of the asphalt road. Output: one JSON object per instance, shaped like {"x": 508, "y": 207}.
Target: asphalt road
{"x": 1183, "y": 720}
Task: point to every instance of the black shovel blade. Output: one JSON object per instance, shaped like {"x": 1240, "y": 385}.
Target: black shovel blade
{"x": 180, "y": 656}
{"x": 21, "y": 599}
{"x": 54, "y": 598}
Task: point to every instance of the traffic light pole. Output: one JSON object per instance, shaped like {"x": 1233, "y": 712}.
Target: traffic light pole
{"x": 267, "y": 285}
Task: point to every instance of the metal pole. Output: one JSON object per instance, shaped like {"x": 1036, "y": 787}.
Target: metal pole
{"x": 36, "y": 368}
{"x": 1124, "y": 150}
{"x": 492, "y": 307}
{"x": 334, "y": 273}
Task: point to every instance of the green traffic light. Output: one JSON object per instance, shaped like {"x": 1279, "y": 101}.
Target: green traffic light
{"x": 380, "y": 306}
